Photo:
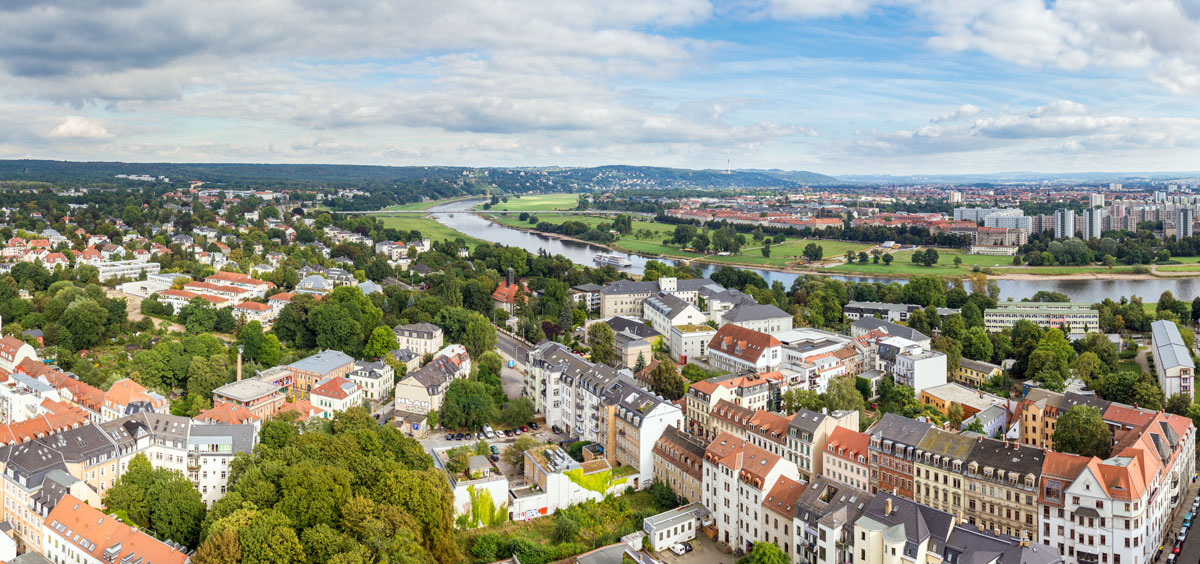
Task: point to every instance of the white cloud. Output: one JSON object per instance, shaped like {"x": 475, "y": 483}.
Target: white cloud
{"x": 78, "y": 127}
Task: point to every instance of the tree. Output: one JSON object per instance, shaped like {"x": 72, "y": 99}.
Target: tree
{"x": 976, "y": 344}
{"x": 887, "y": 259}
{"x": 176, "y": 509}
{"x": 1088, "y": 366}
{"x": 640, "y": 363}
{"x": 1082, "y": 430}
{"x": 601, "y": 340}
{"x": 765, "y": 553}
{"x": 843, "y": 395}
{"x": 975, "y": 426}
{"x": 813, "y": 252}
{"x": 251, "y": 338}
{"x": 796, "y": 399}
{"x": 957, "y": 261}
{"x": 480, "y": 335}
{"x": 766, "y": 250}
{"x": 955, "y": 414}
{"x": 514, "y": 455}
{"x": 468, "y": 405}
{"x": 382, "y": 341}
{"x": 952, "y": 349}
{"x": 1179, "y": 404}
{"x": 85, "y": 320}
{"x": 517, "y": 412}
{"x": 666, "y": 381}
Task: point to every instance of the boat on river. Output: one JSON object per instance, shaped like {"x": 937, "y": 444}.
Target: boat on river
{"x": 611, "y": 260}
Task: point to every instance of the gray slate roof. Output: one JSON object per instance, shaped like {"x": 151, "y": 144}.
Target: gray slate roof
{"x": 870, "y": 324}
{"x": 745, "y": 313}
{"x": 1172, "y": 352}
{"x": 323, "y": 362}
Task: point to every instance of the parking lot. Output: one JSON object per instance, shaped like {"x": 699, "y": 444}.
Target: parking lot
{"x": 703, "y": 551}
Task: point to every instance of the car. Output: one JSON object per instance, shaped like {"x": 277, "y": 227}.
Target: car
{"x": 1171, "y": 558}
{"x": 687, "y": 546}
{"x": 458, "y": 437}
{"x": 495, "y": 449}
{"x": 495, "y": 458}
{"x": 507, "y": 433}
{"x": 533, "y": 425}
{"x": 516, "y": 432}
{"x": 1180, "y": 538}
{"x": 678, "y": 549}
{"x": 554, "y": 429}
{"x": 524, "y": 429}
{"x": 1175, "y": 550}
{"x": 449, "y": 436}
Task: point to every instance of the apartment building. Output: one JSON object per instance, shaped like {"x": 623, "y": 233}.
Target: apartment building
{"x": 778, "y": 519}
{"x": 256, "y": 288}
{"x": 127, "y": 269}
{"x": 938, "y": 473}
{"x": 335, "y": 395}
{"x": 722, "y": 463}
{"x": 758, "y": 475}
{"x": 910, "y": 364}
{"x": 769, "y": 431}
{"x": 308, "y": 371}
{"x": 13, "y": 352}
{"x": 78, "y": 532}
{"x": 807, "y": 434}
{"x": 678, "y": 463}
{"x": 846, "y": 456}
{"x": 824, "y": 522}
{"x": 377, "y": 379}
{"x": 689, "y": 341}
{"x": 1172, "y": 360}
{"x": 664, "y": 311}
{"x": 1002, "y": 481}
{"x": 975, "y": 373}
{"x": 1076, "y": 318}
{"x": 625, "y": 297}
{"x": 893, "y": 447}
{"x": 737, "y": 349}
{"x": 893, "y": 529}
{"x": 421, "y": 338}
{"x": 762, "y": 318}
{"x": 636, "y": 419}
{"x": 749, "y": 390}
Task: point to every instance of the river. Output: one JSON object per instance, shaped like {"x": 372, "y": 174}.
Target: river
{"x": 1089, "y": 291}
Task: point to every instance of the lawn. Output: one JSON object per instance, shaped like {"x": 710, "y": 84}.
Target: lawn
{"x": 781, "y": 255}
{"x": 903, "y": 265}
{"x": 428, "y": 227}
{"x": 539, "y": 202}
{"x": 1179, "y": 268}
{"x": 419, "y": 206}
{"x": 1128, "y": 366}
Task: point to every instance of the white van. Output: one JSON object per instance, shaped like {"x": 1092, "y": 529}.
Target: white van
{"x": 488, "y": 432}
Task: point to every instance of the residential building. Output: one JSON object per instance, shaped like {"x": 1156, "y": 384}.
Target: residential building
{"x": 722, "y": 463}
{"x": 678, "y": 463}
{"x": 1002, "y": 482}
{"x": 424, "y": 389}
{"x": 748, "y": 390}
{"x": 1093, "y": 220}
{"x": 625, "y": 297}
{"x": 971, "y": 400}
{"x": 893, "y": 447}
{"x": 14, "y": 351}
{"x": 893, "y": 530}
{"x": 336, "y": 394}
{"x": 210, "y": 452}
{"x": 824, "y": 522}
{"x": 866, "y": 325}
{"x": 911, "y": 364}
{"x": 308, "y": 371}
{"x": 1076, "y": 318}
{"x": 126, "y": 397}
{"x": 778, "y": 514}
{"x": 77, "y": 532}
{"x": 508, "y": 293}
{"x": 807, "y": 434}
{"x": 634, "y": 328}
{"x": 23, "y": 397}
{"x": 846, "y": 458}
{"x": 636, "y": 419}
{"x": 975, "y": 373}
{"x": 421, "y": 338}
{"x": 1173, "y": 362}
{"x": 1185, "y": 223}
{"x": 262, "y": 398}
{"x": 586, "y": 295}
{"x": 257, "y": 288}
{"x": 628, "y": 348}
{"x": 664, "y": 311}
{"x": 938, "y": 473}
{"x": 689, "y": 341}
{"x": 377, "y": 379}
{"x": 246, "y": 312}
{"x": 889, "y": 312}
{"x": 1064, "y": 224}
{"x": 757, "y": 477}
{"x": 769, "y": 431}
{"x": 736, "y": 349}
{"x": 762, "y": 318}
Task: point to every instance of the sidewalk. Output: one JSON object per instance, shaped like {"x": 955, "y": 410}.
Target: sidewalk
{"x": 1192, "y": 544}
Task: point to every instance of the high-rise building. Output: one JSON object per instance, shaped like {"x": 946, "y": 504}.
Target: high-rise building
{"x": 1185, "y": 219}
{"x": 1093, "y": 222}
{"x": 1115, "y": 186}
{"x": 1064, "y": 224}
{"x": 955, "y": 196}
{"x": 1095, "y": 200}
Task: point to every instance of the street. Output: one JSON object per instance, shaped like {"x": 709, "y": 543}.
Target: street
{"x": 512, "y": 380}
{"x": 1191, "y": 546}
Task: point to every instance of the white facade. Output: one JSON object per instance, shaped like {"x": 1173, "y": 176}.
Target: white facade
{"x": 689, "y": 341}
{"x": 127, "y": 269}
{"x": 1064, "y": 224}
{"x": 665, "y": 312}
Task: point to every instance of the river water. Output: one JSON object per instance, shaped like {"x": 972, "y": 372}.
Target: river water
{"x": 1090, "y": 291}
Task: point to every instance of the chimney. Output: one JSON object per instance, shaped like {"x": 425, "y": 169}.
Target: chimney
{"x": 511, "y": 276}
{"x": 887, "y": 506}
{"x": 996, "y": 532}
{"x": 239, "y": 364}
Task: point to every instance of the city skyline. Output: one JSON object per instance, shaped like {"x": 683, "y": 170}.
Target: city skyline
{"x": 854, "y": 87}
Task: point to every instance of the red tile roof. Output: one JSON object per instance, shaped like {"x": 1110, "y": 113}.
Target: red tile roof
{"x": 103, "y": 532}
{"x": 848, "y": 445}
{"x": 739, "y": 342}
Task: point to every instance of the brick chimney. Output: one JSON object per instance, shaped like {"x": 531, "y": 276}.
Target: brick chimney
{"x": 239, "y": 365}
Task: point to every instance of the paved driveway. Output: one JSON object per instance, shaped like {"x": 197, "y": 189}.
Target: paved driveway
{"x": 703, "y": 551}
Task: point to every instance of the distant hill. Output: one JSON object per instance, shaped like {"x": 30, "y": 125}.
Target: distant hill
{"x": 507, "y": 179}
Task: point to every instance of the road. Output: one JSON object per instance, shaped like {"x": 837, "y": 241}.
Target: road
{"x": 512, "y": 349}
{"x": 1191, "y": 545}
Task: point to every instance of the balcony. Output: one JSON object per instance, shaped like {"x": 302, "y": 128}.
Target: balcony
{"x": 193, "y": 461}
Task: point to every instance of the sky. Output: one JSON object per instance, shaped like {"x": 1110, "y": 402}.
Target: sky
{"x": 831, "y": 86}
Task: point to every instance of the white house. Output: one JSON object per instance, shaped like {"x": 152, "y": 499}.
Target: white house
{"x": 336, "y": 394}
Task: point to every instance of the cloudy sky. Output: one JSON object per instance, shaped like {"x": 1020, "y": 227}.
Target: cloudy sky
{"x": 833, "y": 86}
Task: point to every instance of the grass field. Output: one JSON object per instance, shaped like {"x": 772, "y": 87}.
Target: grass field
{"x": 903, "y": 265}
{"x": 1180, "y": 268}
{"x": 539, "y": 202}
{"x": 428, "y": 227}
{"x": 781, "y": 255}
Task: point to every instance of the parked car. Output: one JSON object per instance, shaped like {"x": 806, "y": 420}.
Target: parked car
{"x": 495, "y": 449}
{"x": 488, "y": 432}
{"x": 554, "y": 429}
{"x": 533, "y": 425}
{"x": 449, "y": 436}
{"x": 495, "y": 458}
{"x": 516, "y": 432}
{"x": 458, "y": 437}
{"x": 678, "y": 549}
{"x": 524, "y": 429}
{"x": 687, "y": 546}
